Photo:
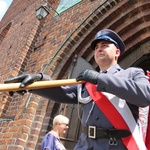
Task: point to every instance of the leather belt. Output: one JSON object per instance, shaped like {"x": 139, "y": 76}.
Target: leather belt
{"x": 95, "y": 132}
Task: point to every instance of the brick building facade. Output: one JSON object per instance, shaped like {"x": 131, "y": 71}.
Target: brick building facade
{"x": 49, "y": 45}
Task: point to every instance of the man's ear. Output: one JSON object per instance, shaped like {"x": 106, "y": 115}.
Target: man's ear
{"x": 118, "y": 52}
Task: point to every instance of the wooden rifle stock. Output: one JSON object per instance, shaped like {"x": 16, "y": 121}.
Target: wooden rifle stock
{"x": 38, "y": 85}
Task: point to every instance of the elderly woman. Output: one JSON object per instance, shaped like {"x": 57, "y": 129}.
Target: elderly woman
{"x": 51, "y": 140}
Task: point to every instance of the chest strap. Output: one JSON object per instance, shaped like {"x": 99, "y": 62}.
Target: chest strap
{"x": 114, "y": 116}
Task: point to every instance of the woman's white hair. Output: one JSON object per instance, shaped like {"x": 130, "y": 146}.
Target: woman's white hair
{"x": 60, "y": 119}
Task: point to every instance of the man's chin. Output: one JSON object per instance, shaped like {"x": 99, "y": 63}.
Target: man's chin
{"x": 101, "y": 58}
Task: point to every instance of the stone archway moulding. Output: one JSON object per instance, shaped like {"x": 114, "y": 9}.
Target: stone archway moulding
{"x": 133, "y": 27}
{"x": 135, "y": 55}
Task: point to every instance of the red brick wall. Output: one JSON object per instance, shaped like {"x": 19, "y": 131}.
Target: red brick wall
{"x": 30, "y": 45}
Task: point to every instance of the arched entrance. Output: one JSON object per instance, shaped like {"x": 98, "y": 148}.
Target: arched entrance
{"x": 137, "y": 47}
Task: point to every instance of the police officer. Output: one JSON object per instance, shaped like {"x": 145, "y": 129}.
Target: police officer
{"x": 111, "y": 98}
